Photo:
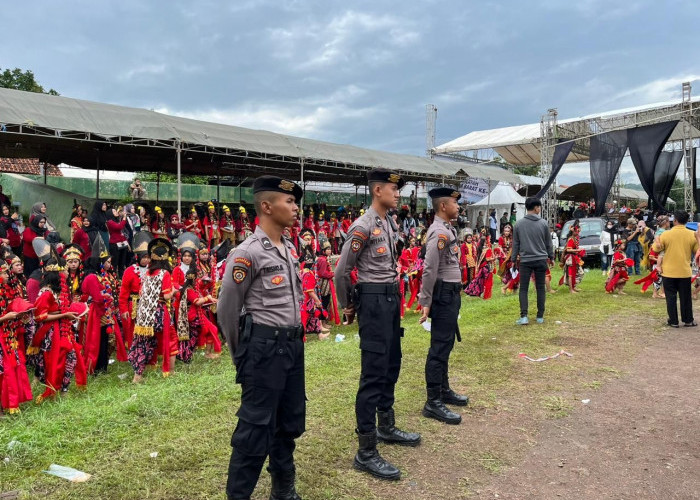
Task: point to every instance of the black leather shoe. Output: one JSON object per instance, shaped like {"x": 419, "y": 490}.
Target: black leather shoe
{"x": 369, "y": 460}
{"x": 435, "y": 408}
{"x": 283, "y": 485}
{"x": 450, "y": 397}
{"x": 388, "y": 433}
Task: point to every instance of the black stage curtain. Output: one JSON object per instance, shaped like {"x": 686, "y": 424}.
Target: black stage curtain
{"x": 664, "y": 175}
{"x": 646, "y": 144}
{"x": 561, "y": 152}
{"x": 607, "y": 152}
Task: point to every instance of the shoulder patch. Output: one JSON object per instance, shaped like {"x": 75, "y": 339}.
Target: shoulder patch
{"x": 441, "y": 243}
{"x": 355, "y": 245}
{"x": 242, "y": 260}
{"x": 239, "y": 275}
{"x": 359, "y": 234}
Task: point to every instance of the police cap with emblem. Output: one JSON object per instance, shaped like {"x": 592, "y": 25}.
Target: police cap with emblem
{"x": 278, "y": 185}
{"x": 383, "y": 175}
{"x": 444, "y": 192}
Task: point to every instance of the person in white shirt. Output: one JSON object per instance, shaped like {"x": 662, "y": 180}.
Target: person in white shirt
{"x": 607, "y": 247}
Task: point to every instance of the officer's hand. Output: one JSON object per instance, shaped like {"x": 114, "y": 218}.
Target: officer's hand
{"x": 349, "y": 313}
{"x": 424, "y": 316}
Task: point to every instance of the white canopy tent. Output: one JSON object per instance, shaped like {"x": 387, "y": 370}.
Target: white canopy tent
{"x": 501, "y": 198}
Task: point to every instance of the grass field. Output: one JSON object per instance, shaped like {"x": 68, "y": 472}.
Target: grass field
{"x": 111, "y": 429}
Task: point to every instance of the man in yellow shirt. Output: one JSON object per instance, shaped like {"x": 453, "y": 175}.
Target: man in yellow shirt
{"x": 679, "y": 245}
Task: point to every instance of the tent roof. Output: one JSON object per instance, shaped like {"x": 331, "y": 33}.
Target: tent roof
{"x": 522, "y": 144}
{"x": 88, "y": 134}
{"x": 502, "y": 194}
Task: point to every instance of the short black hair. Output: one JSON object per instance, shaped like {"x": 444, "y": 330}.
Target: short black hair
{"x": 531, "y": 203}
{"x": 681, "y": 216}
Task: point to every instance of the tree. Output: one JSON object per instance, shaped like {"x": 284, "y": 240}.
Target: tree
{"x": 172, "y": 178}
{"x": 22, "y": 80}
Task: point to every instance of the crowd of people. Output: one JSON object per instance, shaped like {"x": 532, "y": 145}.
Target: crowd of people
{"x": 81, "y": 299}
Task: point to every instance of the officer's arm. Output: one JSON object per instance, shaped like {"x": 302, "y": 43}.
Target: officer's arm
{"x": 435, "y": 244}
{"x": 348, "y": 257}
{"x": 237, "y": 280}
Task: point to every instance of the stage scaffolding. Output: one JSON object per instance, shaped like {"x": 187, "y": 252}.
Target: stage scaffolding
{"x": 533, "y": 144}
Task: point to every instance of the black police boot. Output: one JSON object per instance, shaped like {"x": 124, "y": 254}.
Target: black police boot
{"x": 283, "y": 485}
{"x": 450, "y": 397}
{"x": 369, "y": 460}
{"x": 388, "y": 433}
{"x": 435, "y": 408}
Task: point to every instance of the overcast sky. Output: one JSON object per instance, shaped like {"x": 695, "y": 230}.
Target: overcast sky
{"x": 360, "y": 72}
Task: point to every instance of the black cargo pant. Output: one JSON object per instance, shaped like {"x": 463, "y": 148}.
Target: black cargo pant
{"x": 272, "y": 412}
{"x": 444, "y": 311}
{"x": 379, "y": 319}
{"x": 527, "y": 269}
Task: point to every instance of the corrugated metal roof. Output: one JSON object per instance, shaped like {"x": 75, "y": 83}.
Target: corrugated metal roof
{"x": 64, "y": 117}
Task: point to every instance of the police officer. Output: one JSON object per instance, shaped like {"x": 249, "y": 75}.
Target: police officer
{"x": 259, "y": 313}
{"x": 440, "y": 300}
{"x": 371, "y": 248}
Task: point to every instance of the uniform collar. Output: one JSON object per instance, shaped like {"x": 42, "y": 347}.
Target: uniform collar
{"x": 265, "y": 239}
{"x": 440, "y": 219}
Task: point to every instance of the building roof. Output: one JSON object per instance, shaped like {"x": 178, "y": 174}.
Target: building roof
{"x": 28, "y": 166}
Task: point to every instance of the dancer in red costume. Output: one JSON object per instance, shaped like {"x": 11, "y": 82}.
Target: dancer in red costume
{"x": 244, "y": 228}
{"x": 572, "y": 259}
{"x": 654, "y": 278}
{"x": 154, "y": 332}
{"x": 468, "y": 258}
{"x": 160, "y": 226}
{"x": 507, "y": 270}
{"x": 212, "y": 235}
{"x": 194, "y": 329}
{"x": 325, "y": 274}
{"x": 15, "y": 388}
{"x": 102, "y": 321}
{"x": 227, "y": 226}
{"x": 618, "y": 276}
{"x": 482, "y": 284}
{"x": 55, "y": 338}
{"x": 188, "y": 246}
{"x": 131, "y": 286}
{"x": 193, "y": 224}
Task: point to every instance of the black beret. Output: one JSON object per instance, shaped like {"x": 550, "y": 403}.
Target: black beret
{"x": 277, "y": 184}
{"x": 444, "y": 192}
{"x": 384, "y": 175}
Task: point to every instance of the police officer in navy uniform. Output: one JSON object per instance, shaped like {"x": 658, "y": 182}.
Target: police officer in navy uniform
{"x": 259, "y": 313}
{"x": 371, "y": 248}
{"x": 440, "y": 298}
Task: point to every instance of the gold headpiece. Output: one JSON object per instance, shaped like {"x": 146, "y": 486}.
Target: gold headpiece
{"x": 158, "y": 210}
{"x": 156, "y": 244}
{"x": 226, "y": 209}
{"x": 72, "y": 252}
{"x": 54, "y": 266}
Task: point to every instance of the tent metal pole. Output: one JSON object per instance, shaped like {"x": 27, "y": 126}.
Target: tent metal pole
{"x": 97, "y": 183}
{"x": 488, "y": 208}
{"x": 179, "y": 179}
{"x": 301, "y": 179}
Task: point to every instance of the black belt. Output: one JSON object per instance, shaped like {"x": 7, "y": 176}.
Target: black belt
{"x": 378, "y": 288}
{"x": 276, "y": 332}
{"x": 452, "y": 286}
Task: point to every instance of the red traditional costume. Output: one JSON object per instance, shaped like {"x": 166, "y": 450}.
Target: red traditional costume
{"x": 62, "y": 355}
{"x": 618, "y": 271}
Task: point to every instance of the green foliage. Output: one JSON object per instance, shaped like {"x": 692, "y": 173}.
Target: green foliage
{"x": 22, "y": 80}
{"x": 166, "y": 177}
{"x": 533, "y": 170}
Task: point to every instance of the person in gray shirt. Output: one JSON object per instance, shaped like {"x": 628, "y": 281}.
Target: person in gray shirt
{"x": 532, "y": 250}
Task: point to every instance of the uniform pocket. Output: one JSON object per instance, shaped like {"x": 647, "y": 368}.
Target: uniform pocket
{"x": 252, "y": 435}
{"x": 373, "y": 346}
{"x": 276, "y": 290}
